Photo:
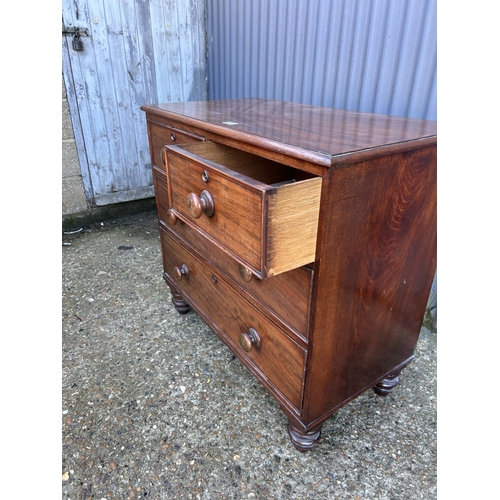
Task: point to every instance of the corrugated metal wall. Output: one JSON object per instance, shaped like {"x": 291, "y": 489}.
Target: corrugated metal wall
{"x": 368, "y": 55}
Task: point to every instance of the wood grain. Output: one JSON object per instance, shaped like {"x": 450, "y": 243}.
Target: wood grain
{"x": 237, "y": 220}
{"x": 311, "y": 133}
{"x": 162, "y": 135}
{"x": 374, "y": 272}
{"x": 273, "y": 295}
{"x": 271, "y": 226}
{"x": 161, "y": 193}
{"x": 293, "y": 212}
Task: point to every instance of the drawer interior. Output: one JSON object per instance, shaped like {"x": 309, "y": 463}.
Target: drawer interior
{"x": 247, "y": 164}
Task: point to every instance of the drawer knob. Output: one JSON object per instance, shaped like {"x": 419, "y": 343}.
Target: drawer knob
{"x": 172, "y": 136}
{"x": 250, "y": 339}
{"x": 171, "y": 218}
{"x": 198, "y": 205}
{"x": 181, "y": 272}
{"x": 245, "y": 273}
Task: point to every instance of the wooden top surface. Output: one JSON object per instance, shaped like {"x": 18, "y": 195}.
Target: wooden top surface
{"x": 326, "y": 136}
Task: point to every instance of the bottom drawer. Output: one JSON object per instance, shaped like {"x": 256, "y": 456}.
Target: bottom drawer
{"x": 266, "y": 350}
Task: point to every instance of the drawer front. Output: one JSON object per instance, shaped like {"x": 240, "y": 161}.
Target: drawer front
{"x": 236, "y": 222}
{"x": 286, "y": 296}
{"x": 260, "y": 212}
{"x": 278, "y": 361}
{"x": 163, "y": 135}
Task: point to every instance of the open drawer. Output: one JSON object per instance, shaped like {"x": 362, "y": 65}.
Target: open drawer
{"x": 262, "y": 213}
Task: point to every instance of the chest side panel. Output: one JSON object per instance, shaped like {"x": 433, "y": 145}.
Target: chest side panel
{"x": 376, "y": 263}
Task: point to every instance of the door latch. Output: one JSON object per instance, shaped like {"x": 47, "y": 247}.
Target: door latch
{"x": 77, "y": 33}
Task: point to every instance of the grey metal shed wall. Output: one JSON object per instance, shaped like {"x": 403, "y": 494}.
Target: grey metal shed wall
{"x": 367, "y": 55}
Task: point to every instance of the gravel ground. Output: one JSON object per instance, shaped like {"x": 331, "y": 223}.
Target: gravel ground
{"x": 155, "y": 406}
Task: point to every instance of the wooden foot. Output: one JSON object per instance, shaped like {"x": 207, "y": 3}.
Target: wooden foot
{"x": 180, "y": 304}
{"x": 387, "y": 384}
{"x": 304, "y": 441}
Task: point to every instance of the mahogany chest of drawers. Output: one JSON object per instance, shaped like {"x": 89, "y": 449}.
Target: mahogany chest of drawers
{"x": 304, "y": 236}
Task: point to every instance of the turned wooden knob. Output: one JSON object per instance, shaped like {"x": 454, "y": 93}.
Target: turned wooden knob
{"x": 245, "y": 273}
{"x": 250, "y": 339}
{"x": 181, "y": 272}
{"x": 171, "y": 218}
{"x": 198, "y": 205}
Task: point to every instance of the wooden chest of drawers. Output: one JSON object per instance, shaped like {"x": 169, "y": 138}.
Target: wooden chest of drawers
{"x": 304, "y": 236}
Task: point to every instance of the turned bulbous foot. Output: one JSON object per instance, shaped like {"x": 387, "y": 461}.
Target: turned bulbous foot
{"x": 304, "y": 441}
{"x": 387, "y": 384}
{"x": 180, "y": 304}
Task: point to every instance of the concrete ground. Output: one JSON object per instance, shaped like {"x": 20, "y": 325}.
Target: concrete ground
{"x": 155, "y": 406}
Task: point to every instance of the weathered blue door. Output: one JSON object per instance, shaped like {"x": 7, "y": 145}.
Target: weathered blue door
{"x": 136, "y": 52}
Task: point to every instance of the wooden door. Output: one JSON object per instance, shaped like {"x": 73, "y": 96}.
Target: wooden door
{"x": 135, "y": 53}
